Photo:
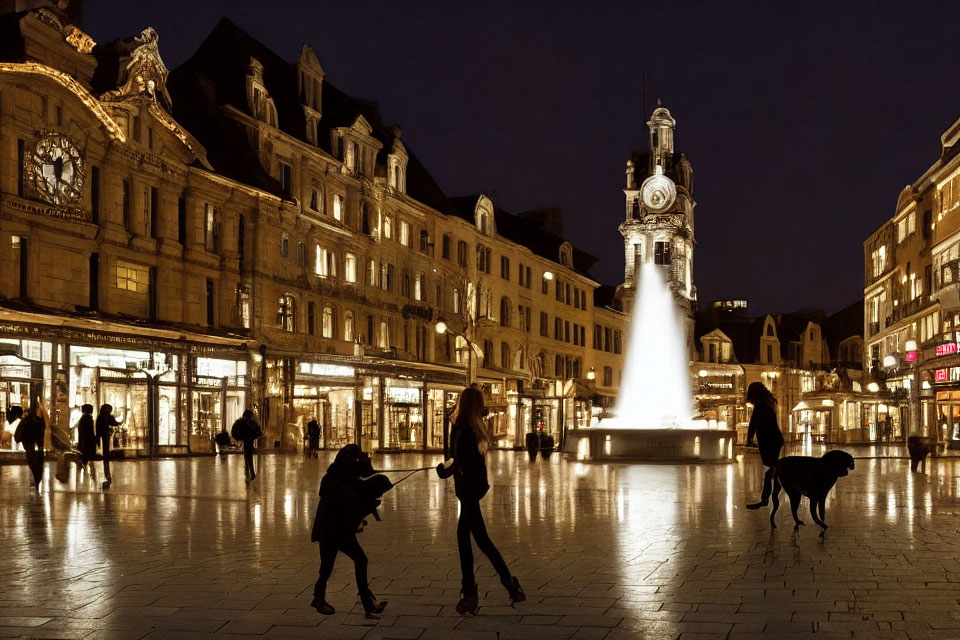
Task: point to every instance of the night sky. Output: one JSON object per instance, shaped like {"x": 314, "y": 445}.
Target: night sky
{"x": 803, "y": 122}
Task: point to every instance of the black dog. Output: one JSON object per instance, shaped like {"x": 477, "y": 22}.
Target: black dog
{"x": 811, "y": 477}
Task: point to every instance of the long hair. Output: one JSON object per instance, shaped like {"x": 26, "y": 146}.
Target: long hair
{"x": 757, "y": 393}
{"x": 470, "y": 414}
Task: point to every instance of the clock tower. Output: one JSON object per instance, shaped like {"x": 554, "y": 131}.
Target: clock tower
{"x": 658, "y": 225}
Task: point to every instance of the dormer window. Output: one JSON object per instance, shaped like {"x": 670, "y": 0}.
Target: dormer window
{"x": 566, "y": 254}
{"x": 483, "y": 223}
{"x": 397, "y": 164}
{"x": 258, "y": 98}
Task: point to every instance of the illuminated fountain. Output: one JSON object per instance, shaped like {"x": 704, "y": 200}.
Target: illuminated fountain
{"x": 654, "y": 418}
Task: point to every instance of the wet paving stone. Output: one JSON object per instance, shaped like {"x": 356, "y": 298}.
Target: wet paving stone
{"x": 185, "y": 549}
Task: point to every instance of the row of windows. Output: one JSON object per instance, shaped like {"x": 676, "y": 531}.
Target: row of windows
{"x": 578, "y": 298}
{"x": 607, "y": 339}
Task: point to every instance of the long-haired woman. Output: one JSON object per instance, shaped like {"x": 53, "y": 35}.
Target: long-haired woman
{"x": 469, "y": 442}
{"x": 763, "y": 425}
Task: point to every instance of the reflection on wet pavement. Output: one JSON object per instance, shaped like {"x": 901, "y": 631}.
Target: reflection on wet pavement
{"x": 184, "y": 548}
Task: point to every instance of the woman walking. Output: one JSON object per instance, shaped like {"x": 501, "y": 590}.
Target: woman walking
{"x": 106, "y": 423}
{"x": 763, "y": 425}
{"x": 87, "y": 439}
{"x": 468, "y": 443}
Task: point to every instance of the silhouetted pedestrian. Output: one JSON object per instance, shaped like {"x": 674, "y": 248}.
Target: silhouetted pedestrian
{"x": 30, "y": 433}
{"x": 247, "y": 430}
{"x": 763, "y": 425}
{"x": 61, "y": 443}
{"x": 105, "y": 426}
{"x": 349, "y": 492}
{"x": 469, "y": 442}
{"x": 313, "y": 437}
{"x": 87, "y": 439}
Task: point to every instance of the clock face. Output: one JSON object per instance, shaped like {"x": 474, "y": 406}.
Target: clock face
{"x": 57, "y": 169}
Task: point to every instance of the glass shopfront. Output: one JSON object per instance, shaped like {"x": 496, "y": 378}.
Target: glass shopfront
{"x": 439, "y": 401}
{"x": 218, "y": 397}
{"x": 326, "y": 393}
{"x": 20, "y": 379}
{"x": 403, "y": 406}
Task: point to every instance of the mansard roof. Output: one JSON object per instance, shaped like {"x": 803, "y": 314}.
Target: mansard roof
{"x": 537, "y": 230}
{"x": 218, "y": 70}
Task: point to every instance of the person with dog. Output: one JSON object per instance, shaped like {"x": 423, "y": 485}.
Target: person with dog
{"x": 349, "y": 492}
{"x": 105, "y": 426}
{"x": 247, "y": 430}
{"x": 763, "y": 426}
{"x": 811, "y": 477}
{"x": 469, "y": 442}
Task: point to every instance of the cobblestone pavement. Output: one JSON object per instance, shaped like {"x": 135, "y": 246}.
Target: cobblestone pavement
{"x": 184, "y": 549}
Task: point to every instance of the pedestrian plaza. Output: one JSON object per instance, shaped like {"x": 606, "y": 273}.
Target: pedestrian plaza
{"x": 183, "y": 548}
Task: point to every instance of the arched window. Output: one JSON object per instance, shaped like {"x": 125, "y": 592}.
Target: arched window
{"x": 387, "y": 226}
{"x": 284, "y": 246}
{"x": 286, "y": 312}
{"x": 418, "y": 287}
{"x": 396, "y": 176}
{"x": 483, "y": 222}
{"x": 350, "y": 268}
{"x": 504, "y": 355}
{"x": 348, "y": 326}
{"x": 505, "y": 309}
{"x": 769, "y": 329}
{"x": 327, "y": 322}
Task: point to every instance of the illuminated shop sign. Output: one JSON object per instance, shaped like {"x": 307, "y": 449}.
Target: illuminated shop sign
{"x": 911, "y": 356}
{"x": 951, "y": 374}
{"x": 946, "y": 348}
{"x": 325, "y": 369}
{"x": 403, "y": 395}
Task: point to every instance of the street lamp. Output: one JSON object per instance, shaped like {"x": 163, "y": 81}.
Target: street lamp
{"x": 443, "y": 328}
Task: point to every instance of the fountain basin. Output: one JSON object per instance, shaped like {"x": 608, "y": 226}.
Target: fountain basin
{"x": 663, "y": 445}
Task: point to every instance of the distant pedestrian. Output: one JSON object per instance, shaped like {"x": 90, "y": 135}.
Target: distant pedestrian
{"x": 105, "y": 426}
{"x": 247, "y": 430}
{"x": 349, "y": 491}
{"x": 469, "y": 443}
{"x": 87, "y": 440}
{"x": 30, "y": 433}
{"x": 313, "y": 437}
{"x": 763, "y": 426}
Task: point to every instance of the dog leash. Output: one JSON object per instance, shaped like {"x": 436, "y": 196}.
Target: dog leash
{"x": 411, "y": 472}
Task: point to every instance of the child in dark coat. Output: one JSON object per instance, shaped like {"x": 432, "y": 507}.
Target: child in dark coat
{"x": 349, "y": 492}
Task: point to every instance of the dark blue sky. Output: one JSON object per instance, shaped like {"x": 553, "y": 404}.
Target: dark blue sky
{"x": 803, "y": 121}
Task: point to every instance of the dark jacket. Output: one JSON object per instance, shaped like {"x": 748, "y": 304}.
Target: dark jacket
{"x": 246, "y": 430}
{"x": 469, "y": 470}
{"x": 345, "y": 500}
{"x": 86, "y": 437}
{"x": 313, "y": 434}
{"x": 31, "y": 429}
{"x": 105, "y": 424}
{"x": 763, "y": 426}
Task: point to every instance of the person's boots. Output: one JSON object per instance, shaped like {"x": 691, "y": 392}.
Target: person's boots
{"x": 469, "y": 603}
{"x": 515, "y": 590}
{"x": 320, "y": 603}
{"x": 371, "y": 606}
{"x": 757, "y": 505}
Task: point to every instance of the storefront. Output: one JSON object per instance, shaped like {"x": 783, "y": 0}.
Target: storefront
{"x": 172, "y": 391}
{"x": 834, "y": 418}
{"x": 326, "y": 392}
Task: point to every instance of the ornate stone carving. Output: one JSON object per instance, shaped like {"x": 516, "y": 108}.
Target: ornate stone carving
{"x": 78, "y": 39}
{"x": 142, "y": 72}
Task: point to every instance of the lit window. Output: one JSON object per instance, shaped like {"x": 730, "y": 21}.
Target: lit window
{"x": 338, "y": 208}
{"x": 383, "y": 340}
{"x": 326, "y": 266}
{"x": 388, "y": 227}
{"x": 285, "y": 313}
{"x": 350, "y": 268}
{"x": 327, "y": 322}
{"x": 348, "y": 326}
{"x": 404, "y": 233}
{"x": 418, "y": 287}
{"x": 132, "y": 277}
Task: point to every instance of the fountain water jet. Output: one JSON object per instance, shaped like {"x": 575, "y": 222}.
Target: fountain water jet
{"x": 654, "y": 416}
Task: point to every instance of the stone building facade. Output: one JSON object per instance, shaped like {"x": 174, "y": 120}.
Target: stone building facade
{"x": 294, "y": 257}
{"x": 912, "y": 309}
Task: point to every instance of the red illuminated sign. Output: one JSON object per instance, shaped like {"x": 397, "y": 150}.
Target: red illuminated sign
{"x": 946, "y": 348}
{"x": 911, "y": 356}
{"x": 940, "y": 375}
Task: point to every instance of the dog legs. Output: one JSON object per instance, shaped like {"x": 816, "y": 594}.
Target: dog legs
{"x": 816, "y": 505}
{"x": 775, "y": 495}
{"x": 794, "y": 505}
